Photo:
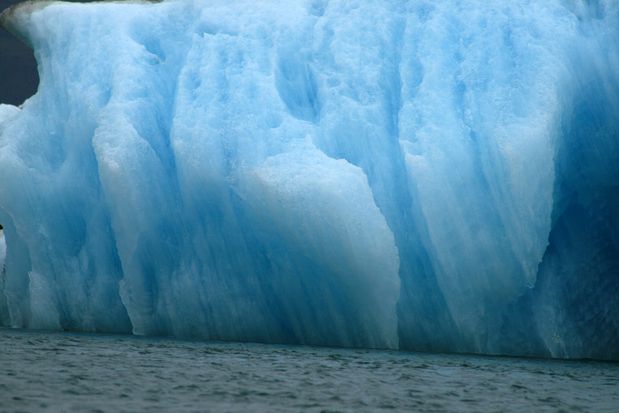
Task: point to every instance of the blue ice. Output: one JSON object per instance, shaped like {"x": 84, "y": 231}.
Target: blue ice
{"x": 420, "y": 175}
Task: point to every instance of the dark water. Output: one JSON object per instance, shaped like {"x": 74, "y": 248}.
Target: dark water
{"x": 92, "y": 373}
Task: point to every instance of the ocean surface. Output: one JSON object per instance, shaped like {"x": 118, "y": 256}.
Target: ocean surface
{"x": 42, "y": 371}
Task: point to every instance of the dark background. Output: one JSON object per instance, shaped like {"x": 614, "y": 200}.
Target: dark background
{"x": 19, "y": 78}
{"x": 18, "y": 69}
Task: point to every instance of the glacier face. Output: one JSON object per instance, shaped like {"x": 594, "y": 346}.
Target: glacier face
{"x": 421, "y": 175}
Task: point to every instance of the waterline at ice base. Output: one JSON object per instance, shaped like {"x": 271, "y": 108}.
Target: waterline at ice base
{"x": 415, "y": 175}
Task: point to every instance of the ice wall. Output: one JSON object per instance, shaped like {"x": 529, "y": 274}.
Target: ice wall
{"x": 2, "y": 251}
{"x": 435, "y": 176}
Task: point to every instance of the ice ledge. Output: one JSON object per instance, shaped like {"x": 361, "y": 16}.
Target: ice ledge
{"x": 14, "y": 19}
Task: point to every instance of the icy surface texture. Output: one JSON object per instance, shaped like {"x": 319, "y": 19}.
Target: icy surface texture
{"x": 2, "y": 252}
{"x": 405, "y": 174}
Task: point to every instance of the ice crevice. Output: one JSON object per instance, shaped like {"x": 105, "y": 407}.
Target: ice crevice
{"x": 413, "y": 175}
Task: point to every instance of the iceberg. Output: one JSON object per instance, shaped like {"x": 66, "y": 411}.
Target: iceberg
{"x": 415, "y": 175}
